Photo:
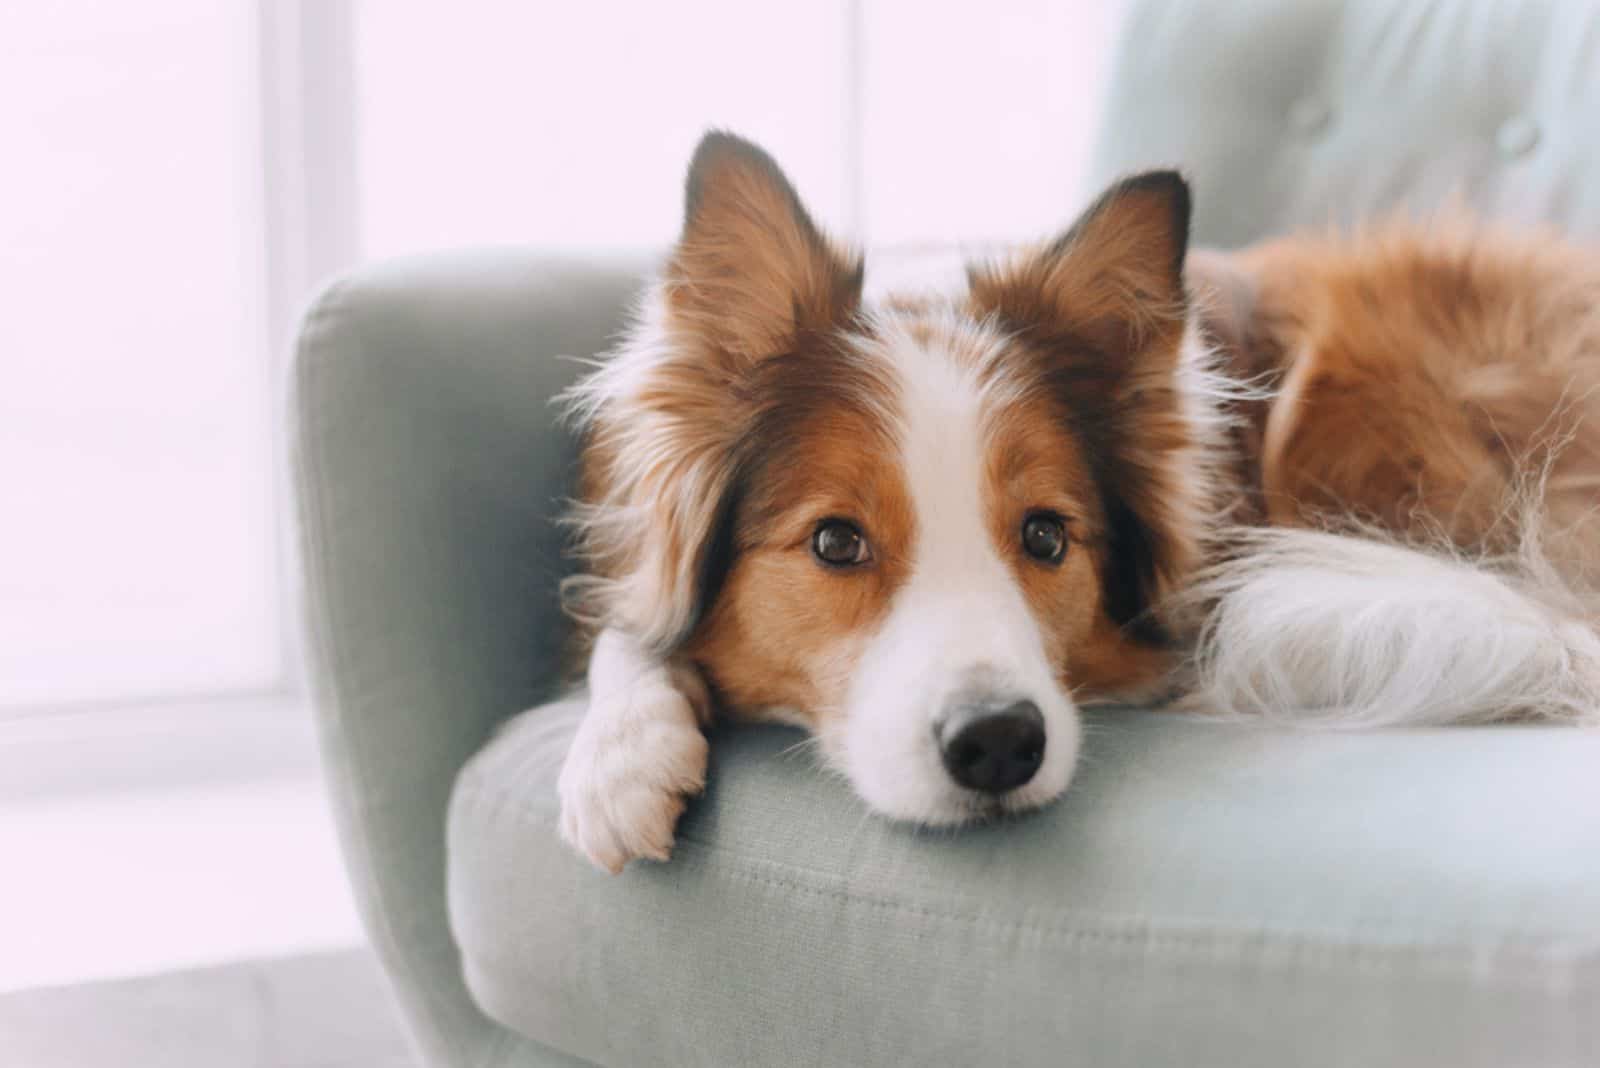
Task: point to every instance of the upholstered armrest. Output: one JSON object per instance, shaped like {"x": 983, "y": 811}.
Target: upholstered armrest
{"x": 429, "y": 464}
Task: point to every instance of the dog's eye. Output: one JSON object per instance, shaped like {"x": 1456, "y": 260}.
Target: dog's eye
{"x": 1044, "y": 537}
{"x": 838, "y": 543}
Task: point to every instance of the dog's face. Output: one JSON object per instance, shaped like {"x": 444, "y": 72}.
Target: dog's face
{"x": 913, "y": 562}
{"x": 920, "y": 530}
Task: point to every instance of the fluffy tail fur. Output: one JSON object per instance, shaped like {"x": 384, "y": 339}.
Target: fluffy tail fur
{"x": 1308, "y": 627}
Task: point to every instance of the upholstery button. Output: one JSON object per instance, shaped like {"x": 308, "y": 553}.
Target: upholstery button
{"x": 1309, "y": 116}
{"x": 1517, "y": 136}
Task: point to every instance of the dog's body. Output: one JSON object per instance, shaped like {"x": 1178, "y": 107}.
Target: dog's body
{"x": 1436, "y": 387}
{"x": 926, "y": 530}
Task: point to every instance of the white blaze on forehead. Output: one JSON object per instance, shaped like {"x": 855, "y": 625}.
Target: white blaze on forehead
{"x": 944, "y": 452}
{"x": 959, "y": 625}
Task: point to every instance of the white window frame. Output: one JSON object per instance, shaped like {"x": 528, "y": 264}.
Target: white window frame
{"x": 308, "y": 183}
{"x": 310, "y": 186}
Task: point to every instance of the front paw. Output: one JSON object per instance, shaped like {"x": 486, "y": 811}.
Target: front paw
{"x": 638, "y": 756}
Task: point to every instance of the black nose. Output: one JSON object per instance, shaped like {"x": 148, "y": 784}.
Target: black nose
{"x": 990, "y": 747}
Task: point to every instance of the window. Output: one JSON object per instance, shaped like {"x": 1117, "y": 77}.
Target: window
{"x": 182, "y": 173}
{"x": 138, "y": 553}
{"x": 901, "y": 123}
{"x": 572, "y": 127}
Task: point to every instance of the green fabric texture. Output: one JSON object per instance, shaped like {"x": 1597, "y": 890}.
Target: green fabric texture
{"x": 1321, "y": 112}
{"x": 1204, "y": 895}
{"x": 429, "y": 465}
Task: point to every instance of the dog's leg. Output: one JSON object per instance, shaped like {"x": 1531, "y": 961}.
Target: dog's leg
{"x": 639, "y": 754}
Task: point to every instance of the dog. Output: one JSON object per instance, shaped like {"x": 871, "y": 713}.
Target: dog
{"x": 1322, "y": 478}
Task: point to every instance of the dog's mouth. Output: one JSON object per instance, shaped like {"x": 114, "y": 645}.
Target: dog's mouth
{"x": 973, "y": 808}
{"x": 986, "y": 809}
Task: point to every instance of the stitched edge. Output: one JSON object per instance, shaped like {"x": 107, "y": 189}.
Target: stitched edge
{"x": 403, "y": 967}
{"x": 1563, "y": 966}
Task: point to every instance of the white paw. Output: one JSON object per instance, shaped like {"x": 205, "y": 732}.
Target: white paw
{"x": 638, "y": 756}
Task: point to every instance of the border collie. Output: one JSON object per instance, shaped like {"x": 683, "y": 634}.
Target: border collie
{"x": 1348, "y": 480}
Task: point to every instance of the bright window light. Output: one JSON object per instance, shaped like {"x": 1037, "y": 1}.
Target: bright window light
{"x": 137, "y": 548}
{"x": 183, "y": 171}
{"x": 570, "y": 125}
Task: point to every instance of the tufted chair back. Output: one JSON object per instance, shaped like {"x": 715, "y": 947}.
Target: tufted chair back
{"x": 1289, "y": 114}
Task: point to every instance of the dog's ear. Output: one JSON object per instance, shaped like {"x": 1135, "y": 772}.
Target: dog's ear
{"x": 1103, "y": 308}
{"x": 1112, "y": 283}
{"x": 750, "y": 278}
{"x": 751, "y": 271}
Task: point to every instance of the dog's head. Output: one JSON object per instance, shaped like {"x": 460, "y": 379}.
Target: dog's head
{"x": 919, "y": 529}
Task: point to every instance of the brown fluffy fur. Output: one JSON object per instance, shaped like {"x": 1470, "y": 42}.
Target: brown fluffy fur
{"x": 1194, "y": 422}
{"x": 751, "y": 278}
{"x": 1424, "y": 376}
{"x": 1418, "y": 377}
{"x": 706, "y": 471}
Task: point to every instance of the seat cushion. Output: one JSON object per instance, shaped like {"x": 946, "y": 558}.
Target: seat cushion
{"x": 1205, "y": 894}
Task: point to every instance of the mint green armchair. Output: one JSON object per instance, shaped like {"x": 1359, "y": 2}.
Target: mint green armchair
{"x": 1204, "y": 895}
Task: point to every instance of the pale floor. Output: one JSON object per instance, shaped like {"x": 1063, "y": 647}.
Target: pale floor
{"x": 175, "y": 896}
{"x": 327, "y": 1010}
{"x": 120, "y": 877}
